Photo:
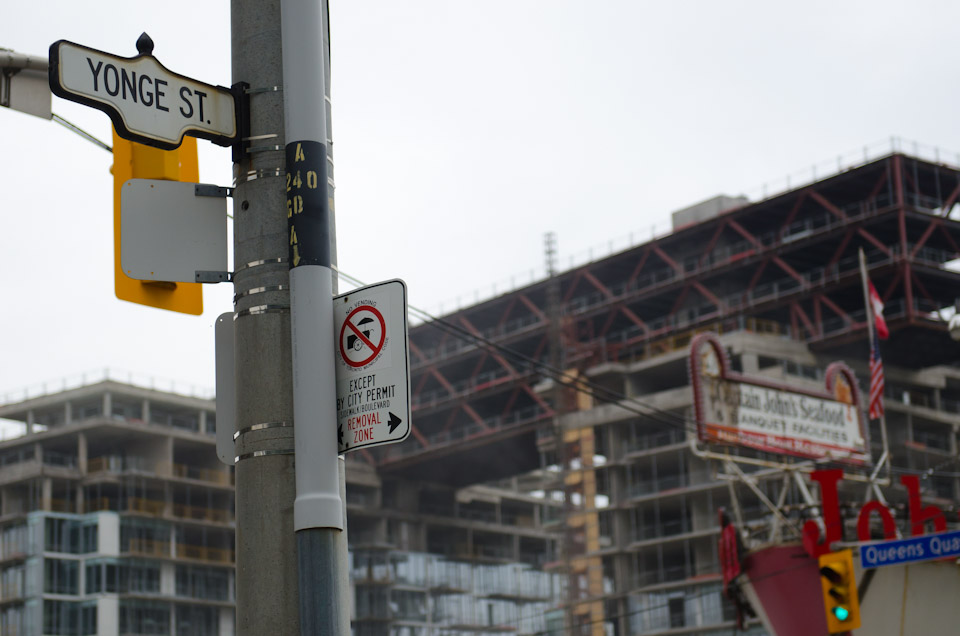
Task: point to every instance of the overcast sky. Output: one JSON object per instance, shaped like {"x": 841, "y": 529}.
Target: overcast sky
{"x": 464, "y": 131}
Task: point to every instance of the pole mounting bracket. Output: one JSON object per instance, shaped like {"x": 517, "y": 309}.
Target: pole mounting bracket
{"x": 206, "y": 276}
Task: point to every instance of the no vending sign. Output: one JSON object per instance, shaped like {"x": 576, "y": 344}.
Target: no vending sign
{"x": 373, "y": 366}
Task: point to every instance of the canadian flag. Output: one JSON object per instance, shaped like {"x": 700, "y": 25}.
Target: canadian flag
{"x": 877, "y": 305}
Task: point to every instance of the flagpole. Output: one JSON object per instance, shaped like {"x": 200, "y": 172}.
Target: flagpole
{"x": 885, "y": 457}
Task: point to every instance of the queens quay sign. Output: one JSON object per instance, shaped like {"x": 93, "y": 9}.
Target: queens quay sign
{"x": 922, "y": 548}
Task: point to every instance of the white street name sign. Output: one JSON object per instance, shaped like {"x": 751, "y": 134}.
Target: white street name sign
{"x": 147, "y": 103}
{"x": 373, "y": 366}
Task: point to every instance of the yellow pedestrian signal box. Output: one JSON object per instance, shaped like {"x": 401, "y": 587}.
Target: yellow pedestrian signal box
{"x": 137, "y": 161}
{"x": 840, "y": 599}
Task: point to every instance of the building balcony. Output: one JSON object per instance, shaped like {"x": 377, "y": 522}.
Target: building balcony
{"x": 117, "y": 465}
{"x": 158, "y": 508}
{"x": 203, "y": 553}
{"x": 162, "y": 550}
{"x": 212, "y": 476}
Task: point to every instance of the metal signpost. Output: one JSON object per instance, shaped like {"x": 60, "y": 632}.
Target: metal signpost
{"x": 928, "y": 547}
{"x": 373, "y": 366}
{"x": 147, "y": 103}
{"x": 285, "y": 357}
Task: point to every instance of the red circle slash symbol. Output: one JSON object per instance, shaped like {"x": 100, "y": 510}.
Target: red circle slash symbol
{"x": 362, "y": 336}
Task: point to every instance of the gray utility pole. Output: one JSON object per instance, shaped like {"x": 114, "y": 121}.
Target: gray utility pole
{"x": 267, "y": 360}
{"x": 319, "y": 516}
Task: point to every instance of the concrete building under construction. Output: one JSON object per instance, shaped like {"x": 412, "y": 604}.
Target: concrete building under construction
{"x": 553, "y": 476}
{"x": 778, "y": 281}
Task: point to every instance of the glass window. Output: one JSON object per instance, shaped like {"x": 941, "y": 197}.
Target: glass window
{"x": 90, "y": 537}
{"x": 212, "y": 584}
{"x": 62, "y": 535}
{"x": 197, "y": 621}
{"x": 62, "y": 618}
{"x": 94, "y": 578}
{"x": 144, "y": 618}
{"x": 60, "y": 576}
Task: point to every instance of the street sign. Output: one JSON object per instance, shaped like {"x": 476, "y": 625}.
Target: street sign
{"x": 147, "y": 103}
{"x": 927, "y": 547}
{"x": 171, "y": 230}
{"x": 373, "y": 366}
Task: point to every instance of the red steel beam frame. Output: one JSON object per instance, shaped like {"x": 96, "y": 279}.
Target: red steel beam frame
{"x": 593, "y": 280}
{"x": 897, "y": 277}
{"x": 532, "y": 307}
{"x": 945, "y": 210}
{"x": 838, "y": 254}
{"x": 474, "y": 416}
{"x": 636, "y": 270}
{"x": 800, "y": 313}
{"x": 776, "y": 259}
{"x": 506, "y": 313}
{"x": 417, "y": 352}
{"x": 880, "y": 183}
{"x": 709, "y": 296}
{"x": 793, "y": 212}
{"x": 496, "y": 356}
{"x": 603, "y": 289}
{"x": 897, "y": 161}
{"x": 818, "y": 315}
{"x": 756, "y": 275}
{"x": 510, "y": 402}
{"x": 420, "y": 384}
{"x": 830, "y": 207}
{"x": 934, "y": 224}
{"x": 573, "y": 286}
{"x": 712, "y": 243}
{"x": 442, "y": 380}
{"x": 953, "y": 244}
{"x": 923, "y": 290}
{"x": 833, "y": 209}
{"x": 680, "y": 300}
{"x": 836, "y": 309}
{"x": 536, "y": 398}
{"x": 419, "y": 436}
{"x": 875, "y": 242}
{"x": 635, "y": 318}
{"x": 666, "y": 259}
{"x": 451, "y": 417}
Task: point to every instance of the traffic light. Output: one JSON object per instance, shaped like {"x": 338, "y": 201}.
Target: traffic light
{"x": 137, "y": 161}
{"x": 839, "y": 587}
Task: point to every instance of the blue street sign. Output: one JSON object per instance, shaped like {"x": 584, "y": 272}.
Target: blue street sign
{"x": 923, "y": 548}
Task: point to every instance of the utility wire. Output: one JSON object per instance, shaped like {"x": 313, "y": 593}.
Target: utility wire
{"x": 80, "y": 131}
{"x": 579, "y": 384}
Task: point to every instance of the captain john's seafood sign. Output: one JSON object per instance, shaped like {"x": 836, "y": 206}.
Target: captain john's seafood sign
{"x": 754, "y": 412}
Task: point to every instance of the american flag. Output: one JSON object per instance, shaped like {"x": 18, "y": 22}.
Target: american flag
{"x": 876, "y": 380}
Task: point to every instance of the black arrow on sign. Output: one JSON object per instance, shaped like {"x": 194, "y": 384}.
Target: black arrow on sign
{"x": 394, "y": 422}
{"x": 340, "y": 434}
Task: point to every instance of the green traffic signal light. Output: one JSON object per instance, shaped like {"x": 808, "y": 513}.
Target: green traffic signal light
{"x": 839, "y": 588}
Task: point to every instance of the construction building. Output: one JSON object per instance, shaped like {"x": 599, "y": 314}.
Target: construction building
{"x": 553, "y": 476}
{"x": 778, "y": 281}
{"x": 116, "y": 516}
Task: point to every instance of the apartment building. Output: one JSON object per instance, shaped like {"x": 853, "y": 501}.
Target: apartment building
{"x": 115, "y": 516}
